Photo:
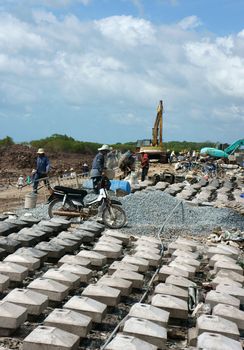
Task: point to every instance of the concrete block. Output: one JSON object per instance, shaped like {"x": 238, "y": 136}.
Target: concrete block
{"x": 4, "y": 282}
{"x": 50, "y": 338}
{"x": 185, "y": 254}
{"x": 187, "y": 268}
{"x": 213, "y": 298}
{"x": 167, "y": 271}
{"x": 65, "y": 224}
{"x": 36, "y": 253}
{"x": 69, "y": 245}
{"x": 122, "y": 342}
{"x": 226, "y": 265}
{"x": 209, "y": 341}
{"x": 122, "y": 266}
{"x": 69, "y": 321}
{"x": 216, "y": 324}
{"x": 93, "y": 227}
{"x": 231, "y": 274}
{"x": 188, "y": 261}
{"x": 54, "y": 290}
{"x": 146, "y": 244}
{"x": 70, "y": 235}
{"x": 104, "y": 294}
{"x": 153, "y": 259}
{"x": 222, "y": 251}
{"x": 230, "y": 249}
{"x": 55, "y": 226}
{"x": 27, "y": 261}
{"x": 151, "y": 240}
{"x": 10, "y": 245}
{"x": 74, "y": 260}
{"x": 193, "y": 244}
{"x": 87, "y": 306}
{"x": 85, "y": 236}
{"x": 54, "y": 251}
{"x": 19, "y": 224}
{"x": 15, "y": 272}
{"x": 170, "y": 289}
{"x": 220, "y": 257}
{"x": 177, "y": 307}
{"x": 34, "y": 302}
{"x": 230, "y": 313}
{"x": 174, "y": 246}
{"x": 136, "y": 278}
{"x": 25, "y": 240}
{"x": 151, "y": 313}
{"x": 6, "y": 228}
{"x": 237, "y": 292}
{"x": 96, "y": 259}
{"x": 147, "y": 331}
{"x": 224, "y": 280}
{"x": 180, "y": 282}
{"x": 110, "y": 250}
{"x": 31, "y": 220}
{"x": 81, "y": 271}
{"x": 11, "y": 317}
{"x": 121, "y": 284}
{"x": 142, "y": 263}
{"x": 37, "y": 235}
{"x": 123, "y": 237}
{"x": 146, "y": 248}
{"x": 109, "y": 239}
{"x": 64, "y": 277}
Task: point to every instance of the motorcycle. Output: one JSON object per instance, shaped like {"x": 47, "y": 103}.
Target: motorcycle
{"x": 70, "y": 203}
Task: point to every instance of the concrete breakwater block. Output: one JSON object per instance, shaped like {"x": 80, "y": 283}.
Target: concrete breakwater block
{"x": 151, "y": 313}
{"x": 70, "y": 236}
{"x": 122, "y": 266}
{"x": 185, "y": 254}
{"x": 65, "y": 277}
{"x": 146, "y": 244}
{"x": 36, "y": 253}
{"x": 12, "y": 316}
{"x": 27, "y": 261}
{"x": 220, "y": 257}
{"x": 217, "y": 324}
{"x": 53, "y": 250}
{"x": 153, "y": 259}
{"x": 123, "y": 237}
{"x": 37, "y": 235}
{"x": 170, "y": 289}
{"x": 34, "y": 302}
{"x": 24, "y": 239}
{"x": 174, "y": 246}
{"x": 110, "y": 250}
{"x": 55, "y": 226}
{"x": 223, "y": 249}
{"x": 136, "y": 278}
{"x": 109, "y": 239}
{"x": 187, "y": 268}
{"x": 106, "y": 295}
{"x": 237, "y": 292}
{"x": 150, "y": 240}
{"x": 180, "y": 282}
{"x": 4, "y": 282}
{"x": 230, "y": 313}
{"x": 85, "y": 236}
{"x": 74, "y": 260}
{"x": 231, "y": 274}
{"x": 193, "y": 244}
{"x": 29, "y": 219}
{"x": 96, "y": 259}
{"x": 65, "y": 224}
{"x": 19, "y": 224}
{"x": 9, "y": 245}
{"x": 226, "y": 265}
{"x": 68, "y": 244}
{"x": 213, "y": 298}
{"x": 147, "y": 331}
{"x": 188, "y": 261}
{"x": 122, "y": 342}
{"x": 15, "y": 272}
{"x": 87, "y": 306}
{"x": 143, "y": 264}
{"x": 177, "y": 307}
{"x": 6, "y": 228}
{"x": 69, "y": 321}
{"x": 81, "y": 271}
{"x": 50, "y": 338}
{"x": 209, "y": 341}
{"x": 224, "y": 280}
{"x": 146, "y": 248}
{"x": 167, "y": 271}
{"x": 121, "y": 284}
{"x": 53, "y": 289}
{"x": 91, "y": 227}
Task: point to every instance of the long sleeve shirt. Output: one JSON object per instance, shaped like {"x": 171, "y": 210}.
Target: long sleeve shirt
{"x": 98, "y": 165}
{"x": 42, "y": 165}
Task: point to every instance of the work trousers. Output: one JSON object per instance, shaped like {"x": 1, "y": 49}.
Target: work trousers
{"x": 37, "y": 178}
{"x": 144, "y": 173}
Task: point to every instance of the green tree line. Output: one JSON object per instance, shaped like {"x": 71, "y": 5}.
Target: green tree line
{"x": 64, "y": 143}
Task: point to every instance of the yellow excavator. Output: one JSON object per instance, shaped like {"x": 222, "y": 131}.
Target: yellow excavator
{"x": 154, "y": 147}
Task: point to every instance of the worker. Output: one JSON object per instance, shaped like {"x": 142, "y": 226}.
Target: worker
{"x": 144, "y": 165}
{"x": 20, "y": 182}
{"x": 127, "y": 163}
{"x": 98, "y": 167}
{"x": 42, "y": 169}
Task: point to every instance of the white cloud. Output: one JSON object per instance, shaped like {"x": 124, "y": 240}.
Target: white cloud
{"x": 190, "y": 22}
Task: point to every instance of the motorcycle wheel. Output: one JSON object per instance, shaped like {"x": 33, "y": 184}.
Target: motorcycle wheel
{"x": 114, "y": 216}
{"x": 57, "y": 204}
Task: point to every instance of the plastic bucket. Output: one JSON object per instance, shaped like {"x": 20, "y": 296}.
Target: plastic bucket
{"x": 30, "y": 201}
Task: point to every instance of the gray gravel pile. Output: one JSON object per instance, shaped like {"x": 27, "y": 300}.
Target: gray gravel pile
{"x": 147, "y": 211}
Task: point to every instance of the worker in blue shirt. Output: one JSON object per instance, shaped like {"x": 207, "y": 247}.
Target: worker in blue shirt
{"x": 42, "y": 169}
{"x": 98, "y": 167}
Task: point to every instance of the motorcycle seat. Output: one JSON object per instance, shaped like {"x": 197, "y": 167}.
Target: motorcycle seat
{"x": 71, "y": 190}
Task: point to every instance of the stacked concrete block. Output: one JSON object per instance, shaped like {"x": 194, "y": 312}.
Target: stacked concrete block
{"x": 24, "y": 239}
{"x": 231, "y": 274}
{"x": 136, "y": 278}
{"x": 180, "y": 281}
{"x": 174, "y": 246}
{"x": 147, "y": 331}
{"x": 154, "y": 259}
{"x": 87, "y": 306}
{"x": 69, "y": 235}
{"x": 55, "y": 226}
{"x": 85, "y": 236}
{"x": 167, "y": 271}
{"x": 36, "y": 253}
{"x": 209, "y": 341}
{"x": 97, "y": 259}
{"x": 65, "y": 277}
{"x": 65, "y": 224}
{"x": 69, "y": 321}
{"x": 34, "y": 302}
{"x": 27, "y": 261}
{"x": 55, "y": 251}
{"x": 109, "y": 239}
{"x": 15, "y": 272}
{"x": 12, "y": 316}
{"x": 213, "y": 298}
{"x": 9, "y": 245}
{"x": 177, "y": 307}
{"x": 224, "y": 280}
{"x": 220, "y": 257}
{"x": 121, "y": 284}
{"x": 230, "y": 313}
{"x": 74, "y": 260}
{"x": 102, "y": 293}
{"x": 122, "y": 342}
{"x": 170, "y": 289}
{"x": 191, "y": 270}
{"x": 122, "y": 266}
{"x": 81, "y": 271}
{"x": 123, "y": 237}
{"x": 227, "y": 265}
{"x": 68, "y": 244}
{"x": 110, "y": 250}
{"x": 151, "y": 313}
{"x": 143, "y": 264}
{"x": 185, "y": 254}
{"x": 233, "y": 290}
{"x": 188, "y": 261}
{"x": 54, "y": 290}
{"x": 50, "y": 338}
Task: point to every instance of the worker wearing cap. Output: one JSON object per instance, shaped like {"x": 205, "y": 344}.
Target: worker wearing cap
{"x": 42, "y": 169}
{"x": 98, "y": 166}
{"x": 144, "y": 165}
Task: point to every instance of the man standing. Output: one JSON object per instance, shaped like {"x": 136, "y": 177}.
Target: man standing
{"x": 42, "y": 169}
{"x": 98, "y": 167}
{"x": 144, "y": 165}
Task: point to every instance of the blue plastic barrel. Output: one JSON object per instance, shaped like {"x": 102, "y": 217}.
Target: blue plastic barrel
{"x": 120, "y": 184}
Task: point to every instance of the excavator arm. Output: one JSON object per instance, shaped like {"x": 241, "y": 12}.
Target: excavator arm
{"x": 234, "y": 146}
{"x": 157, "y": 131}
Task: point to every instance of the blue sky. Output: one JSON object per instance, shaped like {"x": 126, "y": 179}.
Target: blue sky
{"x": 96, "y": 69}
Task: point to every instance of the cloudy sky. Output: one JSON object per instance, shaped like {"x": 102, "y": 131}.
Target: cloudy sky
{"x": 96, "y": 69}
